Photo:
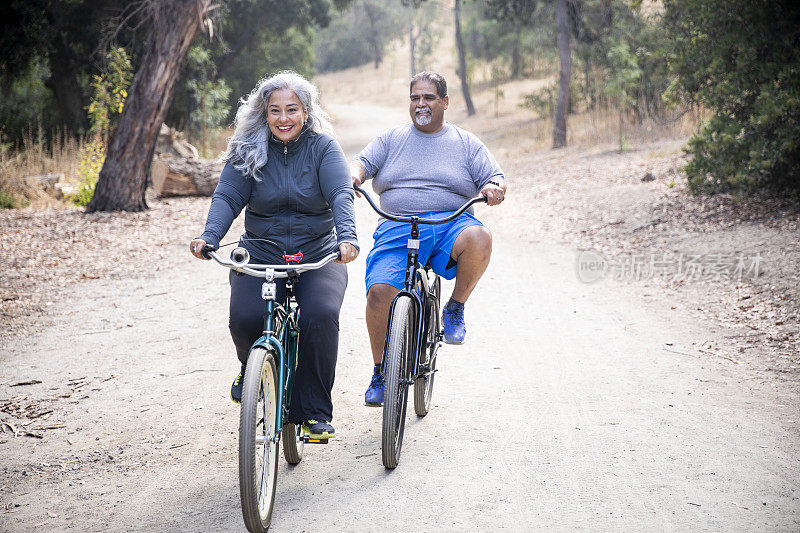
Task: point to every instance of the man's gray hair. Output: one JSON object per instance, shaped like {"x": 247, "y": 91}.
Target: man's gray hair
{"x": 433, "y": 77}
{"x": 248, "y": 147}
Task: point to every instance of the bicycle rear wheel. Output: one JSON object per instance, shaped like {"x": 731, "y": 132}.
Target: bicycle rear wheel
{"x": 423, "y": 385}
{"x": 399, "y": 348}
{"x": 292, "y": 443}
{"x": 258, "y": 449}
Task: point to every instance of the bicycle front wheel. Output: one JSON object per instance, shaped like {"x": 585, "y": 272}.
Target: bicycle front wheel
{"x": 399, "y": 348}
{"x": 258, "y": 447}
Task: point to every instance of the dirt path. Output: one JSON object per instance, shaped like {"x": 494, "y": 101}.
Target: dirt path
{"x": 571, "y": 406}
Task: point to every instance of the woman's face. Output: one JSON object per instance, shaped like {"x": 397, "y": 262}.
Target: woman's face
{"x": 285, "y": 115}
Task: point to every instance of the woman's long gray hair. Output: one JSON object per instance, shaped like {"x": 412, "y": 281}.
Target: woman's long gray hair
{"x": 248, "y": 147}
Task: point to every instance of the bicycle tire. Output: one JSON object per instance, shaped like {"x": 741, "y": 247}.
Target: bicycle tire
{"x": 292, "y": 443}
{"x": 423, "y": 385}
{"x": 398, "y": 348}
{"x": 258, "y": 461}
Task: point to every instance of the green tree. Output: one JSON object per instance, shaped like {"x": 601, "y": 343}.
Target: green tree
{"x": 623, "y": 82}
{"x": 55, "y": 45}
{"x": 740, "y": 59}
{"x": 359, "y": 34}
{"x": 109, "y": 90}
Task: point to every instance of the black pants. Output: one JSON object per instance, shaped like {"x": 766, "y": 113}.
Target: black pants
{"x": 319, "y": 294}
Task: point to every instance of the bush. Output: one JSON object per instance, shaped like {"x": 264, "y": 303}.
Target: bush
{"x": 11, "y": 201}
{"x": 88, "y": 171}
{"x": 740, "y": 59}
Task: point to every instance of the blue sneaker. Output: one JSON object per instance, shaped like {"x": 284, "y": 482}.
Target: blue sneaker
{"x": 374, "y": 395}
{"x": 453, "y": 319}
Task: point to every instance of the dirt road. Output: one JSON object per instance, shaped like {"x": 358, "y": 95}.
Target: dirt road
{"x": 571, "y": 406}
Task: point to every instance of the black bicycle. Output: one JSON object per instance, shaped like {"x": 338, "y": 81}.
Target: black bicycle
{"x": 413, "y": 336}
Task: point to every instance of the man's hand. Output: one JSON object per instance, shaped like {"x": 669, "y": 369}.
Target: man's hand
{"x": 494, "y": 193}
{"x": 348, "y": 253}
{"x": 358, "y": 174}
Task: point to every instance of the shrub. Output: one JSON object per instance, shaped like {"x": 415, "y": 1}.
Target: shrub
{"x": 11, "y": 201}
{"x": 740, "y": 59}
{"x": 91, "y": 162}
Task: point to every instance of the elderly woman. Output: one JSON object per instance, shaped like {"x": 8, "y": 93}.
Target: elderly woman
{"x": 291, "y": 177}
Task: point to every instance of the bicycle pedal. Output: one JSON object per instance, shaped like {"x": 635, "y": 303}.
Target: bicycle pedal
{"x": 309, "y": 440}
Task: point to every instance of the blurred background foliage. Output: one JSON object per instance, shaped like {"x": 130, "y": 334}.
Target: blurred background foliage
{"x": 65, "y": 66}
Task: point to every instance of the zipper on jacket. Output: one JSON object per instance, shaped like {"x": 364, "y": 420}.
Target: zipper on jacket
{"x": 285, "y": 151}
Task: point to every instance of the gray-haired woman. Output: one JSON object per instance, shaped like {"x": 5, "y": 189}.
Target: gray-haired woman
{"x": 290, "y": 174}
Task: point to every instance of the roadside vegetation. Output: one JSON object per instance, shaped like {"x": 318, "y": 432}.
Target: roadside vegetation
{"x": 721, "y": 74}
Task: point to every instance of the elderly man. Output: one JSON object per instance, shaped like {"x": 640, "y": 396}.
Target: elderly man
{"x": 428, "y": 166}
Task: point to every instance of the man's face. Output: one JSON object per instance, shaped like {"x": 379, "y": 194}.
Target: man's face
{"x": 427, "y": 109}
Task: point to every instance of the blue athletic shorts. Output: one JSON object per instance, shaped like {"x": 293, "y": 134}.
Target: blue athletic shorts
{"x": 386, "y": 262}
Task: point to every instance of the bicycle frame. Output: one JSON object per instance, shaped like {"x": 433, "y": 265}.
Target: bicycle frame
{"x": 418, "y": 297}
{"x": 281, "y": 333}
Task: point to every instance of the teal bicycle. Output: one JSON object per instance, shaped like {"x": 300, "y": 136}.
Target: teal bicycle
{"x": 267, "y": 388}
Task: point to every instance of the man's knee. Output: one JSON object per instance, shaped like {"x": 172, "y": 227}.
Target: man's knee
{"x": 380, "y": 296}
{"x": 475, "y": 240}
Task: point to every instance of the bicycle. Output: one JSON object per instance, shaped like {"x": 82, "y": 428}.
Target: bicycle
{"x": 267, "y": 388}
{"x": 413, "y": 336}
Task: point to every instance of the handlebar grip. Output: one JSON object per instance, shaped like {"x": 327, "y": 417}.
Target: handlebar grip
{"x": 206, "y": 251}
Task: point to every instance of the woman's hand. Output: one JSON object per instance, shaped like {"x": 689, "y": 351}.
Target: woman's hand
{"x": 196, "y": 247}
{"x": 348, "y": 252}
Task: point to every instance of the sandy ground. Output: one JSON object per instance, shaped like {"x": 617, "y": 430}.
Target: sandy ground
{"x": 573, "y": 406}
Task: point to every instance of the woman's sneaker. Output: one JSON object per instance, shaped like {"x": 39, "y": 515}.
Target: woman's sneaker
{"x": 316, "y": 429}
{"x": 236, "y": 388}
{"x": 374, "y": 395}
{"x": 453, "y": 320}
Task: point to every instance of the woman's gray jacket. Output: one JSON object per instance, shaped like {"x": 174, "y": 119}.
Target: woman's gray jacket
{"x": 302, "y": 201}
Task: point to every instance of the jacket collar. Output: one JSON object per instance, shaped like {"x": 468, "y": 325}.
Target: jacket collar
{"x": 293, "y": 144}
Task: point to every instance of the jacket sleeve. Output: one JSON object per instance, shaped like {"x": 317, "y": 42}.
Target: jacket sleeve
{"x": 337, "y": 188}
{"x": 230, "y": 197}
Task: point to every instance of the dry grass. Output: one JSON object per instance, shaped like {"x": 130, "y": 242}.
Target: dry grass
{"x": 19, "y": 168}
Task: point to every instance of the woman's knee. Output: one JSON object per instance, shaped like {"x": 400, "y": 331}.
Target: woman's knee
{"x": 245, "y": 324}
{"x": 322, "y": 313}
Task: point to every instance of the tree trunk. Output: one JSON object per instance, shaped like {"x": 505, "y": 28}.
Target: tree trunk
{"x": 565, "y": 55}
{"x": 412, "y": 40}
{"x": 516, "y": 55}
{"x": 375, "y": 41}
{"x": 123, "y": 179}
{"x": 462, "y": 61}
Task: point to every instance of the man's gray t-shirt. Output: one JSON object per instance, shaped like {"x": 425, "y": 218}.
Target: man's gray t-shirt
{"x": 417, "y": 172}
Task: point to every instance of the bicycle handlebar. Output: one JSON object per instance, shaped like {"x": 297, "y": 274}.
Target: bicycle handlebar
{"x": 259, "y": 271}
{"x": 398, "y": 218}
